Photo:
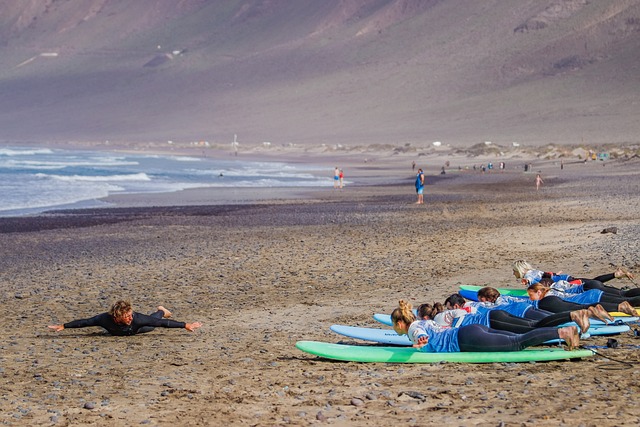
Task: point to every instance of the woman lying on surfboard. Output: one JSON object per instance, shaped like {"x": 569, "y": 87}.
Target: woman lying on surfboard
{"x": 121, "y": 320}
{"x": 540, "y": 291}
{"x": 533, "y": 310}
{"x": 455, "y": 313}
{"x": 528, "y": 275}
{"x": 431, "y": 337}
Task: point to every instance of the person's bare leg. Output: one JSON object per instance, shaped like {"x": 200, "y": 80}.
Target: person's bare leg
{"x": 627, "y": 308}
{"x": 598, "y": 312}
{"x": 622, "y": 272}
{"x": 166, "y": 312}
{"x": 570, "y": 336}
{"x": 581, "y": 317}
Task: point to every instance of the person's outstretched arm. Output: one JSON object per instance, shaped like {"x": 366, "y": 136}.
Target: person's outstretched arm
{"x": 99, "y": 320}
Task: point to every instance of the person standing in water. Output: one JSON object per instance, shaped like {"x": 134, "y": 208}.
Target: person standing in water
{"x": 336, "y": 177}
{"x": 539, "y": 182}
{"x": 420, "y": 186}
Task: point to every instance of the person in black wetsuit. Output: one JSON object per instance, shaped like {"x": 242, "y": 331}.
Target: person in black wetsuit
{"x": 121, "y": 320}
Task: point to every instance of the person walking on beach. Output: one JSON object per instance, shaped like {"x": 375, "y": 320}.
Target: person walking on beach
{"x": 336, "y": 177}
{"x": 341, "y": 176}
{"x": 420, "y": 186}
{"x": 539, "y": 182}
{"x": 121, "y": 320}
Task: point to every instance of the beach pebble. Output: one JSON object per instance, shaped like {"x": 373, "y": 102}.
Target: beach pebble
{"x": 89, "y": 405}
{"x": 414, "y": 395}
{"x": 320, "y": 416}
{"x": 357, "y": 402}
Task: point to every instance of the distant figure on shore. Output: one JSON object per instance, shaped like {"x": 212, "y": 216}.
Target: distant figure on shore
{"x": 413, "y": 165}
{"x": 336, "y": 177}
{"x": 561, "y": 164}
{"x": 121, "y": 320}
{"x": 539, "y": 182}
{"x": 341, "y": 176}
{"x": 420, "y": 186}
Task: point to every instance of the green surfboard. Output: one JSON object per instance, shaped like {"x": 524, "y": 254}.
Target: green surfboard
{"x": 513, "y": 292}
{"x": 363, "y": 353}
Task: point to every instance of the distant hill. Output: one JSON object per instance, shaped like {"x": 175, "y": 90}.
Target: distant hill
{"x": 320, "y": 72}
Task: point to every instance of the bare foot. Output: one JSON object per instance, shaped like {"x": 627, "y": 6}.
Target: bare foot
{"x": 581, "y": 317}
{"x": 570, "y": 336}
{"x": 627, "y": 308}
{"x": 598, "y": 312}
{"x": 622, "y": 272}
{"x": 166, "y": 312}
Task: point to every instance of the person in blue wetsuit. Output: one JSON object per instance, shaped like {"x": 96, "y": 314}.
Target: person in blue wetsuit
{"x": 539, "y": 292}
{"x": 528, "y": 275}
{"x": 428, "y": 336}
{"x": 456, "y": 313}
{"x": 121, "y": 320}
{"x": 535, "y": 310}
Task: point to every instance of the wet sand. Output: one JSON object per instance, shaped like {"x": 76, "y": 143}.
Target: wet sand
{"x": 263, "y": 274}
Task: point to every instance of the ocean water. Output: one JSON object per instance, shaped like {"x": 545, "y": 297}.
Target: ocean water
{"x": 34, "y": 180}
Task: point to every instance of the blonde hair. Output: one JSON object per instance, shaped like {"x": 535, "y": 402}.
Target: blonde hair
{"x": 521, "y": 267}
{"x": 404, "y": 313}
{"x": 120, "y": 308}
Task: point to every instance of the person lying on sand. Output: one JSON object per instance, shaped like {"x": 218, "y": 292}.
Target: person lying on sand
{"x": 456, "y": 314}
{"x": 121, "y": 320}
{"x": 430, "y": 337}
{"x": 541, "y": 291}
{"x": 528, "y": 275}
{"x": 537, "y": 310}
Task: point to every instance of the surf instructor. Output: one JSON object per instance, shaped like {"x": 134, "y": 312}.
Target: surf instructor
{"x": 121, "y": 320}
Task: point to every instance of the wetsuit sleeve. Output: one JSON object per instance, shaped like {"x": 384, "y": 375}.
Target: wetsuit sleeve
{"x": 141, "y": 320}
{"x": 99, "y": 320}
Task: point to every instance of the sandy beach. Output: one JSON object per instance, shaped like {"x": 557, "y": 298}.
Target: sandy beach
{"x": 265, "y": 269}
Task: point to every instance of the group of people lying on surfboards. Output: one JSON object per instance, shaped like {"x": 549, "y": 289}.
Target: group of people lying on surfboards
{"x": 504, "y": 323}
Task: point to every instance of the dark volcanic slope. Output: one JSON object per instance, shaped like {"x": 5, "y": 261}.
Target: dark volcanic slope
{"x": 312, "y": 72}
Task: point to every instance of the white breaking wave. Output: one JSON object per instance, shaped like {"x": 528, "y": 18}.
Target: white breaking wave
{"x": 107, "y": 178}
{"x": 25, "y": 152}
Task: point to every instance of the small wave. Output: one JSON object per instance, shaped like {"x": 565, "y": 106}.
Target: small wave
{"x": 24, "y": 152}
{"x": 107, "y": 178}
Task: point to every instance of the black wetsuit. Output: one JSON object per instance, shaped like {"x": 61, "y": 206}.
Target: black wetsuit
{"x": 501, "y": 320}
{"x": 598, "y": 283}
{"x": 141, "y": 323}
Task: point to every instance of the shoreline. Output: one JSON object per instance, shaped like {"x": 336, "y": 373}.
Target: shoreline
{"x": 361, "y": 168}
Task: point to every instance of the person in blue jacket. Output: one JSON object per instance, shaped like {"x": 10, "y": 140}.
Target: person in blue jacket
{"x": 428, "y": 336}
{"x": 420, "y": 186}
{"x": 541, "y": 291}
